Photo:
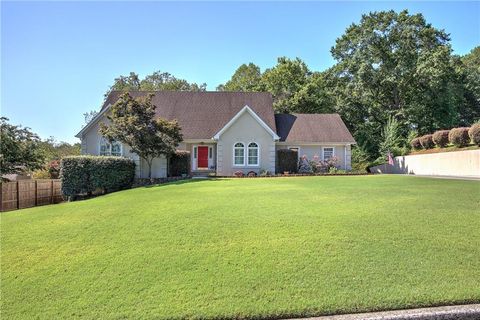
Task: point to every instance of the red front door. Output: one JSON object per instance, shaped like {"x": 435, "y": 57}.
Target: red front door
{"x": 202, "y": 157}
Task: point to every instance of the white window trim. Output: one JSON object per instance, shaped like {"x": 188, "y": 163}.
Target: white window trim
{"x": 121, "y": 149}
{"x": 195, "y": 152}
{"x": 193, "y": 162}
{"x": 105, "y": 141}
{"x": 323, "y": 152}
{"x": 233, "y": 154}
{"x": 258, "y": 154}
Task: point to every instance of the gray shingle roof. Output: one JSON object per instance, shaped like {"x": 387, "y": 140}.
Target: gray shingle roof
{"x": 300, "y": 127}
{"x": 202, "y": 114}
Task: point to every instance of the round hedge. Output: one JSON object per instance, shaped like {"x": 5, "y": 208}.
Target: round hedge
{"x": 179, "y": 164}
{"x": 415, "y": 144}
{"x": 440, "y": 138}
{"x": 427, "y": 141}
{"x": 459, "y": 137}
{"x": 474, "y": 133}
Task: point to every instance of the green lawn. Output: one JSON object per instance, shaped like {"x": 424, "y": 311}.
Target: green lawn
{"x": 245, "y": 248}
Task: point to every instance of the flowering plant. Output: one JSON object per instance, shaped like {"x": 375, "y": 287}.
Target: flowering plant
{"x": 239, "y": 174}
{"x": 304, "y": 165}
{"x": 319, "y": 166}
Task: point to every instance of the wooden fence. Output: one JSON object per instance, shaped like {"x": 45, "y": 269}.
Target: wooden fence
{"x": 30, "y": 193}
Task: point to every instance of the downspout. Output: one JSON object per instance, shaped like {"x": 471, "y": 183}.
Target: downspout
{"x": 345, "y": 157}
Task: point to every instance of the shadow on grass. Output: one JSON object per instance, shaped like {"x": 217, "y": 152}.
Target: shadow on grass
{"x": 179, "y": 182}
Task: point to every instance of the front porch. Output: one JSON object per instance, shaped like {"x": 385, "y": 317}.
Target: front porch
{"x": 203, "y": 173}
{"x": 203, "y": 158}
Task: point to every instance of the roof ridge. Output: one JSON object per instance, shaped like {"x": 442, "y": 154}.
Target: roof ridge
{"x": 317, "y": 114}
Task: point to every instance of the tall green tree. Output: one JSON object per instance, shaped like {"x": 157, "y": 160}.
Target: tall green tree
{"x": 20, "y": 149}
{"x": 285, "y": 80}
{"x": 247, "y": 77}
{"x": 468, "y": 72}
{"x": 157, "y": 81}
{"x": 315, "y": 96}
{"x": 394, "y": 64}
{"x": 126, "y": 83}
{"x": 133, "y": 122}
{"x": 56, "y": 150}
{"x": 391, "y": 138}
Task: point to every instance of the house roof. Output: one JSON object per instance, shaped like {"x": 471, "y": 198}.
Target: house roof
{"x": 249, "y": 110}
{"x": 202, "y": 114}
{"x": 300, "y": 127}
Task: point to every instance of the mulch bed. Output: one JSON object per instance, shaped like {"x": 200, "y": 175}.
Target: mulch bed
{"x": 141, "y": 182}
{"x": 299, "y": 175}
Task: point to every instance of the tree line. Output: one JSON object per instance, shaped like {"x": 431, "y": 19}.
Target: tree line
{"x": 395, "y": 78}
{"x": 22, "y": 150}
{"x": 394, "y": 73}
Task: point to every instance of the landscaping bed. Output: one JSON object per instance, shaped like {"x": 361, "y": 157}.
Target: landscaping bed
{"x": 446, "y": 149}
{"x": 245, "y": 248}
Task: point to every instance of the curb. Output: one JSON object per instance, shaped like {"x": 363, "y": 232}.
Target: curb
{"x": 460, "y": 312}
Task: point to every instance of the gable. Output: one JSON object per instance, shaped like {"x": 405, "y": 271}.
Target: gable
{"x": 244, "y": 121}
{"x": 324, "y": 128}
{"x": 203, "y": 114}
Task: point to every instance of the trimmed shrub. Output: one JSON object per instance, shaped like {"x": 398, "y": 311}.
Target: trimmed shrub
{"x": 415, "y": 144}
{"x": 286, "y": 161}
{"x": 86, "y": 174}
{"x": 459, "y": 137}
{"x": 239, "y": 174}
{"x": 251, "y": 174}
{"x": 426, "y": 141}
{"x": 179, "y": 164}
{"x": 440, "y": 138}
{"x": 474, "y": 133}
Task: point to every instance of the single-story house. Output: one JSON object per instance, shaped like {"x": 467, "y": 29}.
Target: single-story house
{"x": 229, "y": 131}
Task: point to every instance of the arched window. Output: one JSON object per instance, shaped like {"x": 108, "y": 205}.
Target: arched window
{"x": 110, "y": 149}
{"x": 253, "y": 154}
{"x": 116, "y": 149}
{"x": 104, "y": 147}
{"x": 239, "y": 154}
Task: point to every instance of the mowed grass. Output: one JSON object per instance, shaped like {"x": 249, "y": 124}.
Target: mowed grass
{"x": 245, "y": 248}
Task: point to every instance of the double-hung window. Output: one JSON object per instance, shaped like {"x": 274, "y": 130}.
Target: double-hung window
{"x": 115, "y": 149}
{"x": 239, "y": 154}
{"x": 253, "y": 154}
{"x": 110, "y": 148}
{"x": 327, "y": 153}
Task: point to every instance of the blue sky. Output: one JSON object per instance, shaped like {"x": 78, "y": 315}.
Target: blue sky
{"x": 59, "y": 58}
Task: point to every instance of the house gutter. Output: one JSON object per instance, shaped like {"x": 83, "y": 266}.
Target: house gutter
{"x": 92, "y": 122}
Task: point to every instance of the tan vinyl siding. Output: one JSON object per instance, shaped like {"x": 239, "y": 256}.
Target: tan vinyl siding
{"x": 312, "y": 150}
{"x": 245, "y": 130}
{"x": 90, "y": 142}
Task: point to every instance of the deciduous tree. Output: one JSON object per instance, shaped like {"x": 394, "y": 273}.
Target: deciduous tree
{"x": 284, "y": 80}
{"x": 157, "y": 81}
{"x": 246, "y": 78}
{"x": 19, "y": 149}
{"x": 394, "y": 64}
{"x": 133, "y": 122}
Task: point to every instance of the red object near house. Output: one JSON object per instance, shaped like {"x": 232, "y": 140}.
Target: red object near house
{"x": 202, "y": 157}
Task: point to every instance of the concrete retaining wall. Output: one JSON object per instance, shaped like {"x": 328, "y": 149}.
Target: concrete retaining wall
{"x": 458, "y": 163}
